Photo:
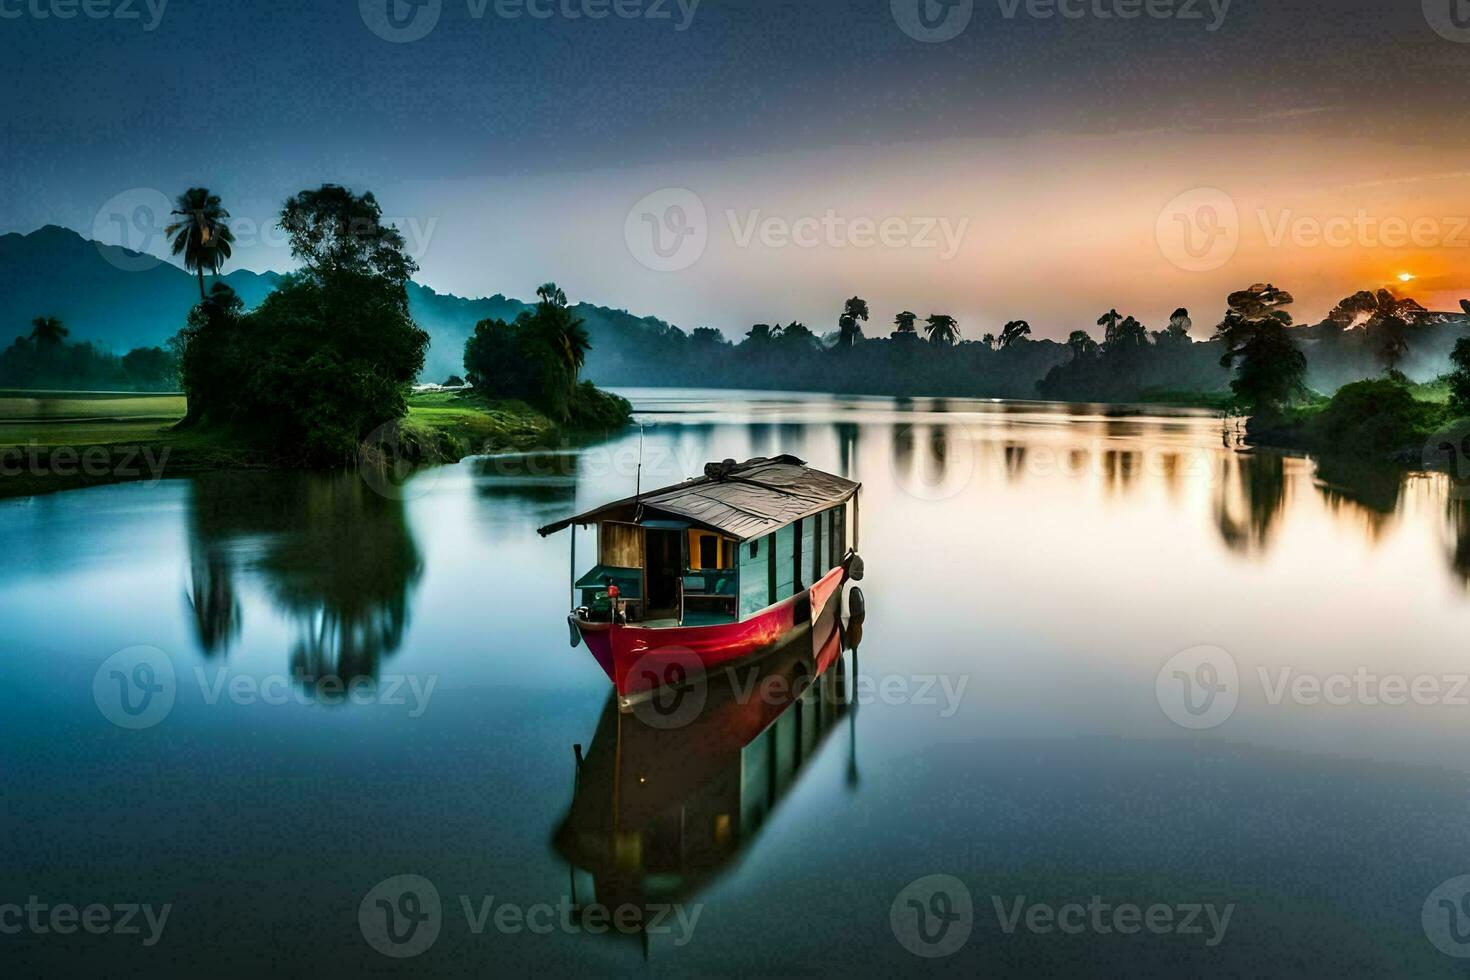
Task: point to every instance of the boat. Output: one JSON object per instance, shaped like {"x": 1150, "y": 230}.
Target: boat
{"x": 711, "y": 572}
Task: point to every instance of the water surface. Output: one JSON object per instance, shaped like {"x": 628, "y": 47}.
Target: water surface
{"x": 1031, "y": 570}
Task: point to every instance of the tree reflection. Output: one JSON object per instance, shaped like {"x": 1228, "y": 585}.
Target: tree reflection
{"x": 1458, "y": 519}
{"x": 1250, "y": 496}
{"x": 337, "y": 559}
{"x": 1368, "y": 490}
{"x": 847, "y": 445}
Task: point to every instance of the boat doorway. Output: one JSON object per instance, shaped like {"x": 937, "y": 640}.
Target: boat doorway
{"x": 663, "y": 565}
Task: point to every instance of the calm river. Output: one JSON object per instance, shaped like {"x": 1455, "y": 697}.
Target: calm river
{"x": 1149, "y": 704}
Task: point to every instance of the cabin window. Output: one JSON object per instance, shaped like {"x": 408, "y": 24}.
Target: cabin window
{"x": 708, "y": 550}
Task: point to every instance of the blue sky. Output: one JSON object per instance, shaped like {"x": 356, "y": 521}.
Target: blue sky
{"x": 519, "y": 143}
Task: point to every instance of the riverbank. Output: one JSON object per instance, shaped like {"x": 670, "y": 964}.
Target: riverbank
{"x": 55, "y": 441}
{"x": 1380, "y": 419}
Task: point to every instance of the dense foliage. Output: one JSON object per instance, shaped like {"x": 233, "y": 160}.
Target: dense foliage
{"x": 1460, "y": 379}
{"x": 537, "y": 358}
{"x": 327, "y": 358}
{"x": 45, "y": 360}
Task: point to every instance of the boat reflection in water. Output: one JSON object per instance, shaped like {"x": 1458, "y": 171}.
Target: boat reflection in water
{"x": 663, "y": 805}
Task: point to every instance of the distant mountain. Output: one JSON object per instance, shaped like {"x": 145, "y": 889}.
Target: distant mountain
{"x": 120, "y": 299}
{"x": 111, "y": 296}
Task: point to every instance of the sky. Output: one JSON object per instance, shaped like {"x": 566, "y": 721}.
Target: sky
{"x": 726, "y": 162}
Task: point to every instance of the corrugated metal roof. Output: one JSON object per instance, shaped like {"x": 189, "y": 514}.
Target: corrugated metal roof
{"x": 744, "y": 500}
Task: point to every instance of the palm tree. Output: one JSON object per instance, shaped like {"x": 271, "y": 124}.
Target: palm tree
{"x": 1013, "y": 332}
{"x": 905, "y": 322}
{"x": 943, "y": 330}
{"x": 1109, "y": 322}
{"x": 200, "y": 234}
{"x": 854, "y": 312}
{"x": 48, "y": 333}
{"x": 571, "y": 333}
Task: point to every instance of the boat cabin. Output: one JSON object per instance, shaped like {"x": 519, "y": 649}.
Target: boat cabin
{"x": 716, "y": 549}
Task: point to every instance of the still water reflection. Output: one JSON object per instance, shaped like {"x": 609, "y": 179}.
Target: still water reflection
{"x": 1031, "y": 570}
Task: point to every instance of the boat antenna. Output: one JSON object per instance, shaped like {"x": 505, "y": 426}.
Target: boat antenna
{"x": 638, "y": 480}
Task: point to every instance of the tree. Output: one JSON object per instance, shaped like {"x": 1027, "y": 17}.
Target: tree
{"x": 1082, "y": 345}
{"x": 326, "y": 359}
{"x": 48, "y": 334}
{"x": 200, "y": 234}
{"x": 761, "y": 334}
{"x": 1176, "y": 334}
{"x": 943, "y": 330}
{"x": 1125, "y": 335}
{"x": 1272, "y": 370}
{"x": 567, "y": 333}
{"x": 849, "y": 325}
{"x": 905, "y": 322}
{"x": 150, "y": 368}
{"x": 334, "y": 232}
{"x": 1013, "y": 332}
{"x": 1109, "y": 322}
{"x": 1390, "y": 338}
{"x": 797, "y": 336}
{"x": 1460, "y": 379}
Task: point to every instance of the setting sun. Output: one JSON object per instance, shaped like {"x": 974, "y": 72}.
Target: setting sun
{"x": 1406, "y": 277}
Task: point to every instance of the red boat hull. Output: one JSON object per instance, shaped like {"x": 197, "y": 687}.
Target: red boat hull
{"x": 639, "y": 660}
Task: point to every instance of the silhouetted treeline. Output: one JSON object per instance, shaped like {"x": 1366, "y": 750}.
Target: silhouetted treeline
{"x": 1363, "y": 337}
{"x": 82, "y": 366}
